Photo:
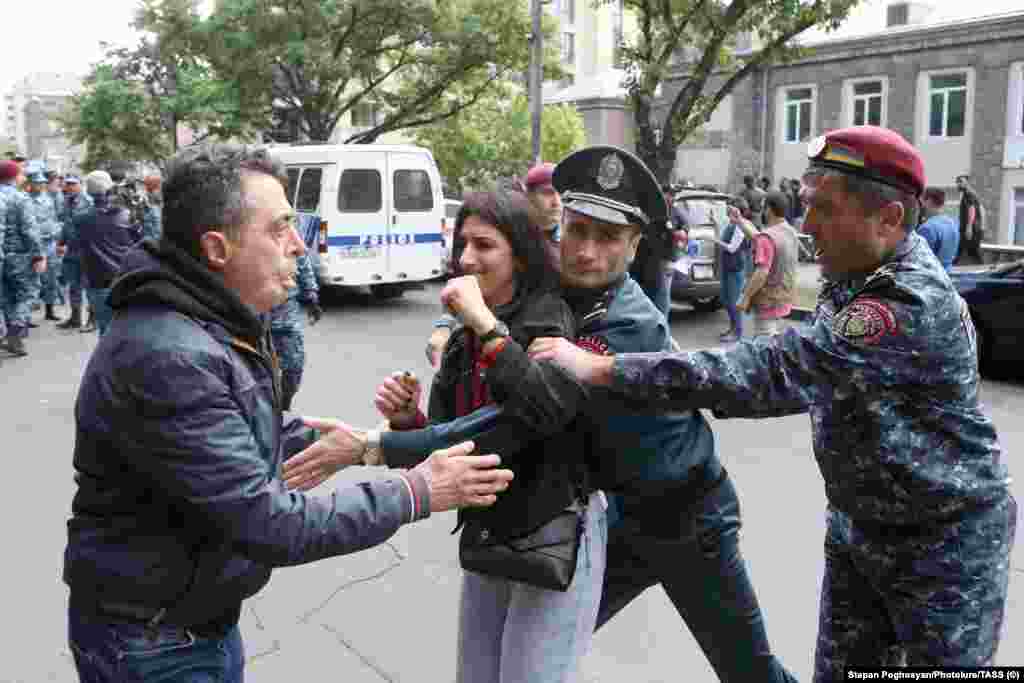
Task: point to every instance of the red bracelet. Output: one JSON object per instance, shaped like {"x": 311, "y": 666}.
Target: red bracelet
{"x": 487, "y": 359}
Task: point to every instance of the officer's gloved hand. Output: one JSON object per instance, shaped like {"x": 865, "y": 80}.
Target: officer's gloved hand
{"x": 314, "y": 313}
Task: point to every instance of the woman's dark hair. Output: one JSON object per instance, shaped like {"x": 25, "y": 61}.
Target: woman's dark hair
{"x": 509, "y": 213}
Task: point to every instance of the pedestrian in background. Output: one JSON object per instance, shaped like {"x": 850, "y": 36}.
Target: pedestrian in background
{"x": 972, "y": 223}
{"x": 77, "y": 205}
{"x": 754, "y": 197}
{"x": 771, "y": 289}
{"x": 106, "y": 234}
{"x": 796, "y": 205}
{"x": 24, "y": 258}
{"x": 287, "y": 327}
{"x": 152, "y": 207}
{"x": 920, "y": 520}
{"x": 735, "y": 240}
{"x": 938, "y": 229}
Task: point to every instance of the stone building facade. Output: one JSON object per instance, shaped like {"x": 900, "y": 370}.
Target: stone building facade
{"x": 956, "y": 90}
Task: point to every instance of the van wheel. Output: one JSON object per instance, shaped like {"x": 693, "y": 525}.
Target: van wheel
{"x": 385, "y": 292}
{"x": 707, "y": 305}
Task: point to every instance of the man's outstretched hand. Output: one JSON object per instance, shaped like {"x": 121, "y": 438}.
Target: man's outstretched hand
{"x": 458, "y": 479}
{"x": 339, "y": 446}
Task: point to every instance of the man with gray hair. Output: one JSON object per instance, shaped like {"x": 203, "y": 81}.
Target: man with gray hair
{"x": 180, "y": 512}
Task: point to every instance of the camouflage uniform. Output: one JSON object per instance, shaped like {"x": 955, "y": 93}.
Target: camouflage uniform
{"x": 45, "y": 216}
{"x": 920, "y": 517}
{"x": 75, "y": 207}
{"x": 22, "y": 247}
{"x": 286, "y": 328}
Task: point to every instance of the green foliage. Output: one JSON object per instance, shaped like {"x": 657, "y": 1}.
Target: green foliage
{"x": 697, "y": 39}
{"x": 491, "y": 140}
{"x": 135, "y": 99}
{"x": 312, "y": 61}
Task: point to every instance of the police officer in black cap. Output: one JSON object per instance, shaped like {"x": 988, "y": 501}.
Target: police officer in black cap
{"x": 671, "y": 494}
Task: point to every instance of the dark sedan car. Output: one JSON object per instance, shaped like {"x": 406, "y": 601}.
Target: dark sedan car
{"x": 695, "y": 277}
{"x": 995, "y": 296}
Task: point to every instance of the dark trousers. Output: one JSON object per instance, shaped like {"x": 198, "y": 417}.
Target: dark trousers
{"x": 933, "y": 599}
{"x": 705, "y": 577}
{"x": 107, "y": 651}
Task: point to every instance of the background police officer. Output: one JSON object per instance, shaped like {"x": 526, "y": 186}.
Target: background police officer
{"x": 920, "y": 520}
{"x": 45, "y": 216}
{"x": 24, "y": 258}
{"x": 286, "y": 327}
{"x": 77, "y": 205}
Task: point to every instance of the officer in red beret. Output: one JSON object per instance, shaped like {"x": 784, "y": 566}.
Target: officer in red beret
{"x": 920, "y": 519}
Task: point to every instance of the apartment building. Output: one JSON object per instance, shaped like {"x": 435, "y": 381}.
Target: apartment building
{"x": 31, "y": 108}
{"x": 589, "y": 34}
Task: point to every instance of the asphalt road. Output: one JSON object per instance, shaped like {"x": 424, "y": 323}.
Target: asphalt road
{"x": 389, "y": 614}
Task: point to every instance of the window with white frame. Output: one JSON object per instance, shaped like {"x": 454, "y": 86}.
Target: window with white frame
{"x": 867, "y": 103}
{"x": 947, "y": 97}
{"x": 1020, "y": 99}
{"x": 568, "y": 47}
{"x": 799, "y": 112}
{"x": 1018, "y": 215}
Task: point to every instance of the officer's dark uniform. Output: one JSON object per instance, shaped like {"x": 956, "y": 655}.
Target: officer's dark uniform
{"x": 920, "y": 518}
{"x": 674, "y": 513}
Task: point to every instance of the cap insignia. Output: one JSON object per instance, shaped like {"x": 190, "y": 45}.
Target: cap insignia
{"x": 816, "y": 146}
{"x": 609, "y": 174}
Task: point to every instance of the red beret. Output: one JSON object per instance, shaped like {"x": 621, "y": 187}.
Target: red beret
{"x": 539, "y": 175}
{"x": 872, "y": 152}
{"x": 9, "y": 170}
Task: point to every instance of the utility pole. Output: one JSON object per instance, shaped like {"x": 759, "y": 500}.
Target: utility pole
{"x": 536, "y": 76}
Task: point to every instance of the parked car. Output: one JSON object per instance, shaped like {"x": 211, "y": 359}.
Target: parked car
{"x": 995, "y": 297}
{"x": 695, "y": 277}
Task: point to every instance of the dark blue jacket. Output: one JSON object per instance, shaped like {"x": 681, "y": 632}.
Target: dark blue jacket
{"x": 105, "y": 235}
{"x": 178, "y": 445}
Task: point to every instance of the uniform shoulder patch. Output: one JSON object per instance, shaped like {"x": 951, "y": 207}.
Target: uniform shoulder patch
{"x": 594, "y": 344}
{"x": 865, "y": 321}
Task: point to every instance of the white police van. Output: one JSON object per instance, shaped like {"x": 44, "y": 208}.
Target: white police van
{"x": 381, "y": 212}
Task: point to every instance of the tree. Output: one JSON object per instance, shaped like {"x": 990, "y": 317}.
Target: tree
{"x": 698, "y": 37}
{"x": 416, "y": 62}
{"x": 491, "y": 140}
{"x": 135, "y": 99}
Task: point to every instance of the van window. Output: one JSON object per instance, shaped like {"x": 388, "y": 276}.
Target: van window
{"x": 359, "y": 191}
{"x": 413, "y": 191}
{"x": 308, "y": 198}
{"x": 293, "y": 182}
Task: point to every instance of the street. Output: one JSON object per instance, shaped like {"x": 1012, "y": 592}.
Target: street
{"x": 389, "y": 614}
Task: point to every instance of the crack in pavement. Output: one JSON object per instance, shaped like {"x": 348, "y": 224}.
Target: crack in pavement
{"x": 275, "y": 645}
{"x": 363, "y": 658}
{"x": 399, "y": 559}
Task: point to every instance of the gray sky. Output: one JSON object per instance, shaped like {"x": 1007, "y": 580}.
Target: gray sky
{"x": 64, "y": 35}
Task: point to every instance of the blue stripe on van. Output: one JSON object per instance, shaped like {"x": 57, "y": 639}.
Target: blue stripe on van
{"x": 375, "y": 240}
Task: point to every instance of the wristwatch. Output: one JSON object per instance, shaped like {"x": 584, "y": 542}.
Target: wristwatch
{"x": 372, "y": 454}
{"x": 500, "y": 329}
